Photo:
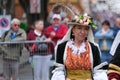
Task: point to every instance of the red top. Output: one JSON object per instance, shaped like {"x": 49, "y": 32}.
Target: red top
{"x": 60, "y": 32}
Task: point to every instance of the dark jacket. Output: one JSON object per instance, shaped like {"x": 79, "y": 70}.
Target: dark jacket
{"x": 114, "y": 66}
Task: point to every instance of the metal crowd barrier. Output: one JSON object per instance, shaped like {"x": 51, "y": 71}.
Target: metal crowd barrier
{"x": 103, "y": 38}
{"x": 25, "y": 70}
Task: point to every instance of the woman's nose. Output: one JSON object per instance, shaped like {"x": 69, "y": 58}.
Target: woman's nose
{"x": 82, "y": 31}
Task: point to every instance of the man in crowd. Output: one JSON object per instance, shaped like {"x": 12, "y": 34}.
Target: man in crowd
{"x": 12, "y": 52}
{"x": 116, "y": 27}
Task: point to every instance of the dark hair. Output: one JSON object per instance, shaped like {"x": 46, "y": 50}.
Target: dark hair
{"x": 38, "y": 21}
{"x": 71, "y": 35}
{"x": 106, "y": 22}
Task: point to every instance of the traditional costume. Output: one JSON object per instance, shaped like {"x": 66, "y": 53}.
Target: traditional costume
{"x": 114, "y": 66}
{"x": 73, "y": 63}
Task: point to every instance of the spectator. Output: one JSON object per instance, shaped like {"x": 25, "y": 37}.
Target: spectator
{"x": 65, "y": 20}
{"x": 114, "y": 66}
{"x": 116, "y": 27}
{"x": 12, "y": 53}
{"x": 38, "y": 55}
{"x": 105, "y": 38}
{"x": 56, "y": 31}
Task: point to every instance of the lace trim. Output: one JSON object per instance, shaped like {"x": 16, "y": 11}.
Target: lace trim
{"x": 76, "y": 50}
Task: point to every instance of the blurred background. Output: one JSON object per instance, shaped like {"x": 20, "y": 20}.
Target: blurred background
{"x": 104, "y": 12}
{"x": 28, "y": 13}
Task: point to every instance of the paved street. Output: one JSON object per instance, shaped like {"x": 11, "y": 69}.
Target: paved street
{"x": 26, "y": 73}
{"x": 25, "y": 68}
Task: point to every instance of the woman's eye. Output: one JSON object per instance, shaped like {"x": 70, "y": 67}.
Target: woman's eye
{"x": 87, "y": 29}
{"x": 78, "y": 28}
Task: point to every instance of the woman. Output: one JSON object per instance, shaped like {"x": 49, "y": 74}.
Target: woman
{"x": 105, "y": 37}
{"x": 77, "y": 54}
{"x": 39, "y": 53}
{"x": 114, "y": 66}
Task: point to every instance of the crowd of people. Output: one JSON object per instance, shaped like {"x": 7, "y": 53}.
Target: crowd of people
{"x": 75, "y": 50}
{"x": 53, "y": 33}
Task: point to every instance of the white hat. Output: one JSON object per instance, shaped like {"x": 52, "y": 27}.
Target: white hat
{"x": 56, "y": 16}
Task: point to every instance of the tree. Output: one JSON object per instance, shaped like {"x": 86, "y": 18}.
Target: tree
{"x": 33, "y": 17}
{"x": 7, "y": 5}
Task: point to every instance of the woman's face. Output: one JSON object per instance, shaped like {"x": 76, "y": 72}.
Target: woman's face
{"x": 80, "y": 32}
{"x": 105, "y": 27}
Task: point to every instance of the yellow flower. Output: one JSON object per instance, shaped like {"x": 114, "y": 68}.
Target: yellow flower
{"x": 88, "y": 20}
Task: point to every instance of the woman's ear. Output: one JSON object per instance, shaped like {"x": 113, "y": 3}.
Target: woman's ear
{"x": 72, "y": 34}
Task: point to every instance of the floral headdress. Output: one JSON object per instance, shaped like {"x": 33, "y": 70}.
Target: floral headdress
{"x": 84, "y": 20}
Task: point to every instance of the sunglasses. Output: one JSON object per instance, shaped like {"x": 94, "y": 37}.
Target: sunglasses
{"x": 16, "y": 25}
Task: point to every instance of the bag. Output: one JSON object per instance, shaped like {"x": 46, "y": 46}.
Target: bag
{"x": 42, "y": 48}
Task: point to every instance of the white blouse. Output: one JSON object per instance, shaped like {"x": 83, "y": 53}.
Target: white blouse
{"x": 76, "y": 50}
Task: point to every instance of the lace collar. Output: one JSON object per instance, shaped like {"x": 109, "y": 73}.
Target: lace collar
{"x": 76, "y": 50}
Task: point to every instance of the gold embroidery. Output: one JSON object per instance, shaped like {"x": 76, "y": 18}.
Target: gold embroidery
{"x": 79, "y": 75}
